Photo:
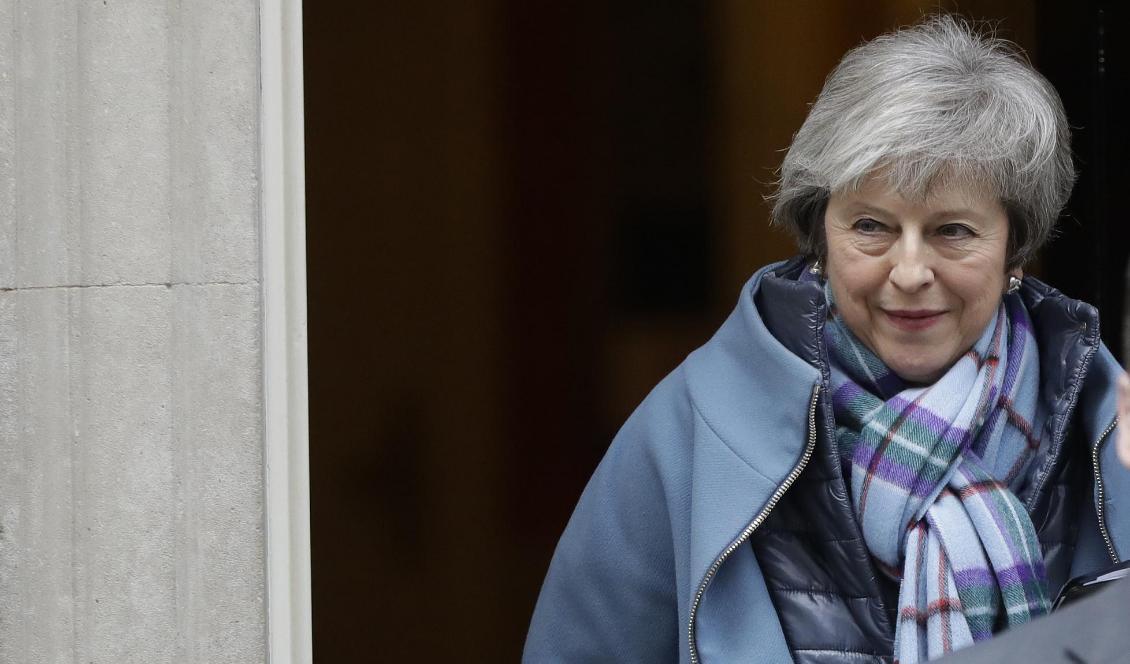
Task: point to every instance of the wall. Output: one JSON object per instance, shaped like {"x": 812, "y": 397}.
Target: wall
{"x": 131, "y": 497}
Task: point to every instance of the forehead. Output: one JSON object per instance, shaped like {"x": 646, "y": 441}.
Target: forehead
{"x": 951, "y": 194}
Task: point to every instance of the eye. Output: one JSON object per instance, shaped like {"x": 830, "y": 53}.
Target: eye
{"x": 868, "y": 226}
{"x": 956, "y": 231}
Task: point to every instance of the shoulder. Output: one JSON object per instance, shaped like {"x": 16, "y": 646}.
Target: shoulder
{"x": 706, "y": 446}
{"x": 744, "y": 384}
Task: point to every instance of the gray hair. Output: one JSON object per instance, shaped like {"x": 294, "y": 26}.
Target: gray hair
{"x": 924, "y": 106}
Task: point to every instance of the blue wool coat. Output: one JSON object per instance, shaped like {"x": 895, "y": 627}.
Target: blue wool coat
{"x": 653, "y": 565}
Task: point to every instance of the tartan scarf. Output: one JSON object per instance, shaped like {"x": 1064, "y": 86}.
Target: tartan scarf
{"x": 933, "y": 474}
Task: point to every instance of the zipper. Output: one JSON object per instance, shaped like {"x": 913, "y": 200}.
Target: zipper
{"x": 756, "y": 523}
{"x": 1099, "y": 502}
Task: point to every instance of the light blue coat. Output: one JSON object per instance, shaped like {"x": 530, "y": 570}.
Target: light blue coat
{"x": 652, "y": 566}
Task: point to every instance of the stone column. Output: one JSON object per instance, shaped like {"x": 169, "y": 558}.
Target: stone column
{"x": 131, "y": 408}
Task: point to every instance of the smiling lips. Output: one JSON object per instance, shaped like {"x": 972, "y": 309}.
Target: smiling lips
{"x": 913, "y": 320}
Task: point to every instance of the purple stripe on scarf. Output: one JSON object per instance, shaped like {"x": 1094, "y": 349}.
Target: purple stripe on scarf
{"x": 889, "y": 384}
{"x": 1018, "y": 315}
{"x": 951, "y": 438}
{"x": 847, "y": 393}
{"x": 929, "y": 420}
{"x": 889, "y": 470}
{"x": 980, "y": 634}
{"x": 974, "y": 576}
{"x": 1018, "y": 574}
{"x": 1019, "y": 347}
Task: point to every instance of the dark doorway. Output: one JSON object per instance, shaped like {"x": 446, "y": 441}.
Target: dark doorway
{"x": 521, "y": 215}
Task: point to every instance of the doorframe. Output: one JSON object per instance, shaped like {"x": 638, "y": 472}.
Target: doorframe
{"x": 286, "y": 473}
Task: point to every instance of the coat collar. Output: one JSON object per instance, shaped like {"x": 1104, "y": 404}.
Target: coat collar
{"x": 726, "y": 378}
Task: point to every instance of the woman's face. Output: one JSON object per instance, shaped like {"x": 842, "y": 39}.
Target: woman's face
{"x": 916, "y": 281}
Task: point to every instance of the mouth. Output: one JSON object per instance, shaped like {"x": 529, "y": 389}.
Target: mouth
{"x": 913, "y": 320}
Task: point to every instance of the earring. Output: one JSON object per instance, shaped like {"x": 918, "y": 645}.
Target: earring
{"x": 1013, "y": 284}
{"x": 817, "y": 269}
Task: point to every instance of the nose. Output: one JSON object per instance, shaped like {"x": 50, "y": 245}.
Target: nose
{"x": 911, "y": 269}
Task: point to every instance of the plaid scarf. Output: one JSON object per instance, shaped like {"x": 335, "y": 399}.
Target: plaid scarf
{"x": 933, "y": 475}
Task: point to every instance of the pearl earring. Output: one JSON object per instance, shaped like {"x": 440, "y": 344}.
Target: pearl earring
{"x": 1013, "y": 284}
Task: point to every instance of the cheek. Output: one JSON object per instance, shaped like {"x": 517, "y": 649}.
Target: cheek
{"x": 852, "y": 295}
{"x": 858, "y": 281}
{"x": 980, "y": 297}
{"x": 979, "y": 275}
{"x": 980, "y": 288}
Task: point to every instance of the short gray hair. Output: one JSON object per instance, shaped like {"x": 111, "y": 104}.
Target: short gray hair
{"x": 924, "y": 105}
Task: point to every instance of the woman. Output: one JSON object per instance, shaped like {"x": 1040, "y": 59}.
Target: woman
{"x": 895, "y": 446}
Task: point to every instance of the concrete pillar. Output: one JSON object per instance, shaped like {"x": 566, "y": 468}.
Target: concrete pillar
{"x": 131, "y": 400}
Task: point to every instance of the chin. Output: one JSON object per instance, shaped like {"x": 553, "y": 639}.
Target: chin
{"x": 917, "y": 371}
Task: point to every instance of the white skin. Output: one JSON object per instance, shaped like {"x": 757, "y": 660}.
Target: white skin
{"x": 918, "y": 281}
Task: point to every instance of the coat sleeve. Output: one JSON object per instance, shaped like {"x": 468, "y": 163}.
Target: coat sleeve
{"x": 610, "y": 593}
